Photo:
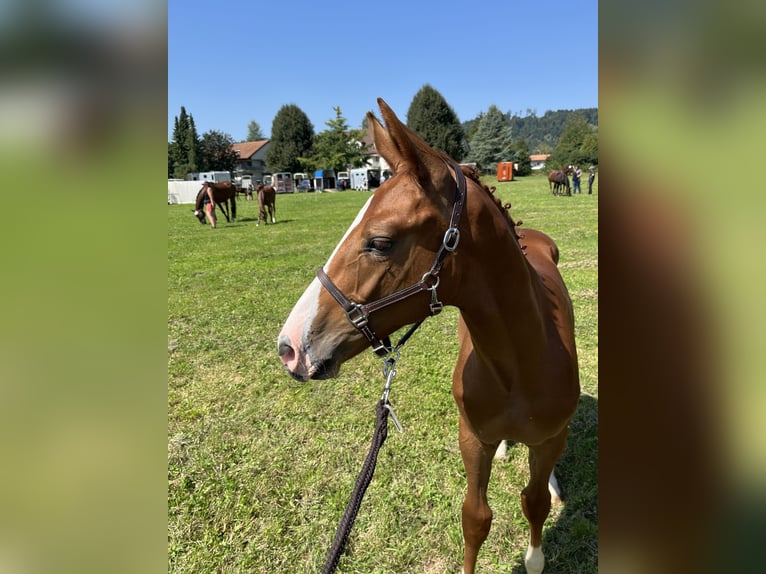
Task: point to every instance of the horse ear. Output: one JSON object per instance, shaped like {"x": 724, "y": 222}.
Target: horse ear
{"x": 385, "y": 145}
{"x": 409, "y": 151}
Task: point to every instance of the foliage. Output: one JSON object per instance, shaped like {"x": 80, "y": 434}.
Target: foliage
{"x": 336, "y": 148}
{"x": 520, "y": 156}
{"x": 432, "y": 118}
{"x": 578, "y": 144}
{"x": 184, "y": 148}
{"x": 260, "y": 468}
{"x": 292, "y": 136}
{"x": 216, "y": 152}
{"x": 542, "y": 133}
{"x": 171, "y": 161}
{"x": 254, "y": 132}
{"x": 491, "y": 143}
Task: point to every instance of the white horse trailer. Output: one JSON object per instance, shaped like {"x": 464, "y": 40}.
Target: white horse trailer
{"x": 365, "y": 178}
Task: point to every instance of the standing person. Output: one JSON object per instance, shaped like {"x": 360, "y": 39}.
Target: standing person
{"x": 576, "y": 180}
{"x": 208, "y": 204}
{"x": 591, "y": 179}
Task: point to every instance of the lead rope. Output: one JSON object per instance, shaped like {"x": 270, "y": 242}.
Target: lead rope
{"x": 383, "y": 410}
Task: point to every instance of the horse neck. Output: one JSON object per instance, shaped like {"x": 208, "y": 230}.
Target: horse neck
{"x": 499, "y": 293}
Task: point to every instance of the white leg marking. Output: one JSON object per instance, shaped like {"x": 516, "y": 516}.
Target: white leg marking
{"x": 534, "y": 560}
{"x": 553, "y": 488}
{"x": 501, "y": 451}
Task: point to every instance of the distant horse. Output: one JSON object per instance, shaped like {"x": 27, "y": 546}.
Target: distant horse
{"x": 559, "y": 179}
{"x": 516, "y": 375}
{"x": 223, "y": 194}
{"x": 267, "y": 199}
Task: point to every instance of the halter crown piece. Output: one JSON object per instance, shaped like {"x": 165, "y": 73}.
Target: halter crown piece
{"x": 358, "y": 314}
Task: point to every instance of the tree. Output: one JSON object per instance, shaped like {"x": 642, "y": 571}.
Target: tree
{"x": 292, "y": 136}
{"x": 184, "y": 148}
{"x": 432, "y": 118}
{"x": 171, "y": 161}
{"x": 542, "y": 133}
{"x": 520, "y": 156}
{"x": 469, "y": 129}
{"x": 589, "y": 149}
{"x": 254, "y": 132}
{"x": 578, "y": 144}
{"x": 491, "y": 142}
{"x": 216, "y": 152}
{"x": 338, "y": 147}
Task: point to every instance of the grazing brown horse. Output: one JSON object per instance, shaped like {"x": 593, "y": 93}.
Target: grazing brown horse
{"x": 267, "y": 199}
{"x": 516, "y": 375}
{"x": 558, "y": 179}
{"x": 223, "y": 194}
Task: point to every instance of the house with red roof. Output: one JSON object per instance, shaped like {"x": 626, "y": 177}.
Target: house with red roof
{"x": 251, "y": 159}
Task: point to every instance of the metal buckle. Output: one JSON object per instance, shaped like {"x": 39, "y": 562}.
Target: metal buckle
{"x": 451, "y": 239}
{"x": 358, "y": 321}
{"x": 380, "y": 349}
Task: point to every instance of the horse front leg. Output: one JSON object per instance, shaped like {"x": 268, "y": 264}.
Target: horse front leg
{"x": 536, "y": 496}
{"x": 273, "y": 214}
{"x": 477, "y": 515}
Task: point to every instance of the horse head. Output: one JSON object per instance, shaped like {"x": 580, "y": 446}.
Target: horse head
{"x": 391, "y": 245}
{"x": 199, "y": 210}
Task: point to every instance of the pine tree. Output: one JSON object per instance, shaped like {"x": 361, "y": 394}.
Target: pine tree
{"x": 338, "y": 147}
{"x": 491, "y": 143}
{"x": 432, "y": 118}
{"x": 292, "y": 136}
{"x": 254, "y": 132}
{"x": 184, "y": 148}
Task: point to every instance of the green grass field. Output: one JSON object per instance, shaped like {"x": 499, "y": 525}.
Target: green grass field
{"x": 260, "y": 467}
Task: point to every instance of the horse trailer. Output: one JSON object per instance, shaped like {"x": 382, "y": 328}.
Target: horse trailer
{"x": 505, "y": 171}
{"x": 343, "y": 181}
{"x": 324, "y": 179}
{"x": 212, "y": 176}
{"x": 282, "y": 182}
{"x": 365, "y": 178}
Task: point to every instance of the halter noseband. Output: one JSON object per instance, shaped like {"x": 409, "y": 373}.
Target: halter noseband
{"x": 359, "y": 314}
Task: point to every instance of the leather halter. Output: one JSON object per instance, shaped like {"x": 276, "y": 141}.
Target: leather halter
{"x": 358, "y": 314}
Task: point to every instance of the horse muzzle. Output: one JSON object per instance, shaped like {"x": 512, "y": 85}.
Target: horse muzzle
{"x": 299, "y": 365}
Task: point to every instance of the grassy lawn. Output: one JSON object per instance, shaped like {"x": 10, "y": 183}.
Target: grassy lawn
{"x": 260, "y": 467}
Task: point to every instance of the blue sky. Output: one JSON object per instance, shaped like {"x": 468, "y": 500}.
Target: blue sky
{"x": 235, "y": 61}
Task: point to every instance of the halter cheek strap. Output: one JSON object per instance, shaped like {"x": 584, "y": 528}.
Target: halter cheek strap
{"x": 359, "y": 314}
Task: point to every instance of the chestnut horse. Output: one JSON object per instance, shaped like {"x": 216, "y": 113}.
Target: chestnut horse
{"x": 223, "y": 194}
{"x": 516, "y": 376}
{"x": 267, "y": 199}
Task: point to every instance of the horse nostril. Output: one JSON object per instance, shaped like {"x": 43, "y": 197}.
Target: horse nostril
{"x": 286, "y": 352}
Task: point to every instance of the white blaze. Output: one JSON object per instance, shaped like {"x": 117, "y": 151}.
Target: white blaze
{"x": 299, "y": 322}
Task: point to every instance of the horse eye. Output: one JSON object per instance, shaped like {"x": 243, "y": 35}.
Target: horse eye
{"x": 379, "y": 244}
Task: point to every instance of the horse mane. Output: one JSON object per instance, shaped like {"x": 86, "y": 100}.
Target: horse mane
{"x": 473, "y": 174}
